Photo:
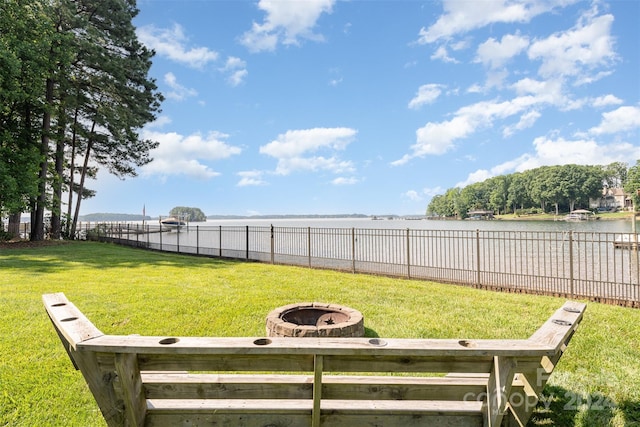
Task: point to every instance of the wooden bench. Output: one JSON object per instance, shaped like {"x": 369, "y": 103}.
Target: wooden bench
{"x": 269, "y": 382}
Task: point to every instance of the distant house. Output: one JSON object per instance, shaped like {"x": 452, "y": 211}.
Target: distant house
{"x": 480, "y": 214}
{"x": 612, "y": 199}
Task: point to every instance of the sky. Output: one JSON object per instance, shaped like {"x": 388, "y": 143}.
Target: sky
{"x": 372, "y": 106}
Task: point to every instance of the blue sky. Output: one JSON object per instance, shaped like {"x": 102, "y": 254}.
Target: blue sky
{"x": 330, "y": 107}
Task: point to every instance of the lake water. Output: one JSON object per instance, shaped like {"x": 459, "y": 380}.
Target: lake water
{"x": 604, "y": 226}
{"x": 557, "y": 257}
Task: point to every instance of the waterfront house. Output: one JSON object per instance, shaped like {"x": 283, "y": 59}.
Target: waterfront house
{"x": 613, "y": 199}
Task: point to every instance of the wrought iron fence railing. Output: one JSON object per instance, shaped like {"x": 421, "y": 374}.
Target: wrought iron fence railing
{"x": 593, "y": 265}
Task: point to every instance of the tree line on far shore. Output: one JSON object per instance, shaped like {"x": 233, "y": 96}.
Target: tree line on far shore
{"x": 545, "y": 189}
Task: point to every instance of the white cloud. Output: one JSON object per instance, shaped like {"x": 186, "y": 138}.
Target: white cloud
{"x": 560, "y": 151}
{"x": 527, "y": 120}
{"x": 438, "y": 138}
{"x": 460, "y": 17}
{"x": 442, "y": 54}
{"x": 345, "y": 181}
{"x": 425, "y": 193}
{"x": 178, "y": 92}
{"x": 236, "y": 69}
{"x": 172, "y": 43}
{"x": 413, "y": 196}
{"x": 293, "y": 143}
{"x": 578, "y": 51}
{"x": 620, "y": 120}
{"x": 494, "y": 54}
{"x": 159, "y": 122}
{"x": 186, "y": 155}
{"x": 285, "y": 23}
{"x": 580, "y": 151}
{"x": 293, "y": 150}
{"x": 251, "y": 178}
{"x": 427, "y": 94}
{"x": 604, "y": 101}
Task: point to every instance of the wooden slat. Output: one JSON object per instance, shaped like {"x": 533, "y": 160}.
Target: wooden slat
{"x": 408, "y": 362}
{"x": 208, "y": 419}
{"x": 225, "y": 362}
{"x": 499, "y": 389}
{"x": 135, "y": 405}
{"x": 215, "y": 386}
{"x": 318, "y": 369}
{"x": 247, "y": 406}
{"x": 400, "y": 420}
{"x": 400, "y": 407}
{"x": 314, "y": 345}
{"x": 305, "y": 406}
{"x": 231, "y": 386}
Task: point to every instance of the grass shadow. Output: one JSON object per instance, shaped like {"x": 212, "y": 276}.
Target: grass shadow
{"x": 370, "y": 333}
{"x": 559, "y": 406}
{"x": 102, "y": 256}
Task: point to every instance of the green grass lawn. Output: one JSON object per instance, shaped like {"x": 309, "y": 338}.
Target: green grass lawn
{"x": 127, "y": 291}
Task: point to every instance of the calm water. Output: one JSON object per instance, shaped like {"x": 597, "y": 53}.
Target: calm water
{"x": 604, "y": 226}
{"x": 538, "y": 255}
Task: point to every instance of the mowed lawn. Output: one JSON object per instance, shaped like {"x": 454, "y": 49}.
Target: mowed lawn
{"x": 133, "y": 291}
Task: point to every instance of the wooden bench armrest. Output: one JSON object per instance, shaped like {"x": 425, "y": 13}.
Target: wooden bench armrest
{"x": 557, "y": 331}
{"x": 69, "y": 322}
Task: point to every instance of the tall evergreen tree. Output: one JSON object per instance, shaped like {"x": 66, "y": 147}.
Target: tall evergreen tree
{"x": 117, "y": 96}
{"x": 26, "y": 31}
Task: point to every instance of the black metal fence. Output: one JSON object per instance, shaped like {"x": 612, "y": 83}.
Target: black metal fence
{"x": 591, "y": 265}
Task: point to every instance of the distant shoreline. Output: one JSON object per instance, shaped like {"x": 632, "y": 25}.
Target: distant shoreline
{"x": 115, "y": 217}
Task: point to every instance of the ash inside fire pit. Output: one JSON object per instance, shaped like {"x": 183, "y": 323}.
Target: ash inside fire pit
{"x": 315, "y": 320}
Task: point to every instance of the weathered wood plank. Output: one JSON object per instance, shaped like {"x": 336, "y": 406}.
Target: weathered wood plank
{"x": 499, "y": 389}
{"x": 255, "y": 386}
{"x": 559, "y": 328}
{"x": 135, "y": 405}
{"x": 318, "y": 369}
{"x": 225, "y": 362}
{"x": 305, "y": 406}
{"x": 68, "y": 320}
{"x": 313, "y": 345}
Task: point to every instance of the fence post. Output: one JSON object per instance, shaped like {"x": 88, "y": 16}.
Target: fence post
{"x": 247, "y": 248}
{"x": 137, "y": 234}
{"x": 220, "y": 242}
{"x": 309, "y": 245}
{"x": 197, "y": 240}
{"x": 408, "y": 256}
{"x": 272, "y": 243}
{"x": 160, "y": 236}
{"x": 479, "y": 283}
{"x": 178, "y": 238}
{"x": 571, "y": 262}
{"x": 353, "y": 249}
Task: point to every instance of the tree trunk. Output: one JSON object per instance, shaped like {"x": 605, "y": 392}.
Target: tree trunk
{"x": 72, "y": 172}
{"x": 37, "y": 225}
{"x": 14, "y": 225}
{"x": 81, "y": 186}
{"x": 58, "y": 181}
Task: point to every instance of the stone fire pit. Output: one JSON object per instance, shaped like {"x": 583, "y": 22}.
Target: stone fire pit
{"x": 314, "y": 319}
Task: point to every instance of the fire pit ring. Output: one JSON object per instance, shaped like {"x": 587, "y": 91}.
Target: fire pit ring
{"x": 315, "y": 319}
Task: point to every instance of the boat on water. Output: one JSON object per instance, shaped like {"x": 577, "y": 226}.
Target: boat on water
{"x": 173, "y": 222}
{"x": 581, "y": 215}
{"x": 626, "y": 241}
